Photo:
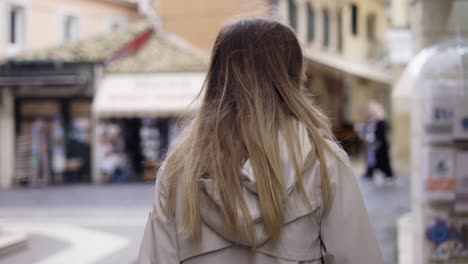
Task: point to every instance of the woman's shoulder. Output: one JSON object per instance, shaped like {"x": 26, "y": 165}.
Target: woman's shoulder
{"x": 336, "y": 160}
{"x": 336, "y": 155}
{"x": 163, "y": 181}
{"x": 337, "y": 163}
{"x": 332, "y": 144}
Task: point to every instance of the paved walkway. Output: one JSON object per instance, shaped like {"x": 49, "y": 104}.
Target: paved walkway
{"x": 77, "y": 224}
{"x": 385, "y": 204}
{"x": 104, "y": 224}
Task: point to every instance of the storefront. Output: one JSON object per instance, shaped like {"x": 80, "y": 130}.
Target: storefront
{"x": 6, "y": 137}
{"x": 342, "y": 93}
{"x": 137, "y": 118}
{"x": 434, "y": 90}
{"x": 100, "y": 110}
{"x": 52, "y": 140}
{"x": 51, "y": 112}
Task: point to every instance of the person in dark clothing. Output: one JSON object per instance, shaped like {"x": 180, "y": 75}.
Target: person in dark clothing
{"x": 79, "y": 162}
{"x": 374, "y": 132}
{"x": 78, "y": 166}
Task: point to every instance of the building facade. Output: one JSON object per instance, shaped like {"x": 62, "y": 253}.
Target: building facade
{"x": 95, "y": 110}
{"x": 429, "y": 22}
{"x": 417, "y": 25}
{"x": 345, "y": 45}
{"x": 198, "y": 22}
{"x": 29, "y": 25}
{"x": 37, "y": 24}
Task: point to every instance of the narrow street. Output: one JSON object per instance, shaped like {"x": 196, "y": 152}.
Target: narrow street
{"x": 107, "y": 222}
{"x": 385, "y": 204}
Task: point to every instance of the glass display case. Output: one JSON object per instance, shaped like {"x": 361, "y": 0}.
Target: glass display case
{"x": 439, "y": 85}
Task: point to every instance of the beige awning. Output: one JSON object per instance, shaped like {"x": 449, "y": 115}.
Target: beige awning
{"x": 147, "y": 95}
{"x": 363, "y": 70}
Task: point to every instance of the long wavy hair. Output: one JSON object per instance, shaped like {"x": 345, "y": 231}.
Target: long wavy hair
{"x": 252, "y": 94}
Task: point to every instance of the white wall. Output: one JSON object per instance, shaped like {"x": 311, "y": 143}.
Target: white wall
{"x": 7, "y": 139}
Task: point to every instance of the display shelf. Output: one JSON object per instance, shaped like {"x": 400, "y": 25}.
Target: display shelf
{"x": 439, "y": 135}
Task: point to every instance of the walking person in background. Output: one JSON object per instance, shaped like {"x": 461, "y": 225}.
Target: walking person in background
{"x": 256, "y": 176}
{"x": 374, "y": 133}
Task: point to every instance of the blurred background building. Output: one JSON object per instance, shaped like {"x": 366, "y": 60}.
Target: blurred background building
{"x": 27, "y": 26}
{"x": 58, "y": 133}
{"x": 198, "y": 22}
{"x": 356, "y": 51}
{"x": 91, "y": 91}
{"x": 56, "y": 57}
{"x": 345, "y": 45}
{"x": 33, "y": 25}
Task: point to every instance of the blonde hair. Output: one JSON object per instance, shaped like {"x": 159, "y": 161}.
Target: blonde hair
{"x": 251, "y": 94}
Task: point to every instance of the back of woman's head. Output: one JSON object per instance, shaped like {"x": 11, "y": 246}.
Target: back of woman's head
{"x": 252, "y": 94}
{"x": 253, "y": 61}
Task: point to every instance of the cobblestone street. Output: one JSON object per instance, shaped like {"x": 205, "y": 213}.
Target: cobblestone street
{"x": 107, "y": 222}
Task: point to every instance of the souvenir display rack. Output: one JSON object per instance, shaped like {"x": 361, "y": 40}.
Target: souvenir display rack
{"x": 440, "y": 153}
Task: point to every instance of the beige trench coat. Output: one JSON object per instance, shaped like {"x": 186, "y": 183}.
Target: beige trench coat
{"x": 342, "y": 236}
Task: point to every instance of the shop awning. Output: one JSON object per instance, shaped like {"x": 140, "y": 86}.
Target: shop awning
{"x": 363, "y": 70}
{"x": 147, "y": 95}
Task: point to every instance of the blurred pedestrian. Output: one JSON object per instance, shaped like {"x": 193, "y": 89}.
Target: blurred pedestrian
{"x": 79, "y": 152}
{"x": 59, "y": 155}
{"x": 374, "y": 133}
{"x": 256, "y": 177}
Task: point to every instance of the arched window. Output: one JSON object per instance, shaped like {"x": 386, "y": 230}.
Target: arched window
{"x": 326, "y": 28}
{"x": 292, "y": 9}
{"x": 310, "y": 22}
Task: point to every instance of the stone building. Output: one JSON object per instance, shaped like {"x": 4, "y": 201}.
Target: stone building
{"x": 28, "y": 25}
{"x": 417, "y": 25}
{"x": 73, "y": 87}
{"x": 348, "y": 65}
{"x": 37, "y": 24}
{"x": 198, "y": 22}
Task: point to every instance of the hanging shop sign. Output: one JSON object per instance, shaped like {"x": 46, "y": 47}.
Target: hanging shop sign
{"x": 151, "y": 95}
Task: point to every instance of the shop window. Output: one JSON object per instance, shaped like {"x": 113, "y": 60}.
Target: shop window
{"x": 139, "y": 143}
{"x": 292, "y": 8}
{"x": 70, "y": 28}
{"x": 17, "y": 26}
{"x": 354, "y": 19}
{"x": 57, "y": 143}
{"x": 326, "y": 28}
{"x": 310, "y": 23}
